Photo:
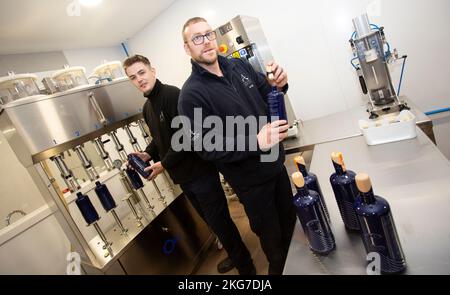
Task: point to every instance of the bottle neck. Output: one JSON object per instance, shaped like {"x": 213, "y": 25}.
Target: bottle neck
{"x": 302, "y": 169}
{"x": 369, "y": 197}
{"x": 339, "y": 168}
{"x": 302, "y": 191}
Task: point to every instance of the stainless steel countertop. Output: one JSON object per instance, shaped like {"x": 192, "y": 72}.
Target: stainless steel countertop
{"x": 414, "y": 176}
{"x": 336, "y": 127}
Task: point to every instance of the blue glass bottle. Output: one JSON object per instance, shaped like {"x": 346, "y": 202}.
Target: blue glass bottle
{"x": 105, "y": 196}
{"x": 277, "y": 108}
{"x": 135, "y": 179}
{"x": 378, "y": 230}
{"x": 312, "y": 218}
{"x": 88, "y": 211}
{"x": 311, "y": 182}
{"x": 139, "y": 165}
{"x": 345, "y": 192}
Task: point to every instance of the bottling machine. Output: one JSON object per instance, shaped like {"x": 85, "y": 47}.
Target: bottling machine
{"x": 368, "y": 43}
{"x": 243, "y": 37}
{"x": 76, "y": 138}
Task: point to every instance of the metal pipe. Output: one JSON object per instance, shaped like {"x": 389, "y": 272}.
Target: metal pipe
{"x": 129, "y": 190}
{"x": 107, "y": 244}
{"x": 119, "y": 147}
{"x": 66, "y": 174}
{"x": 150, "y": 207}
{"x": 133, "y": 139}
{"x": 144, "y": 132}
{"x": 160, "y": 196}
{"x": 123, "y": 230}
{"x": 136, "y": 215}
{"x": 166, "y": 178}
{"x": 87, "y": 164}
{"x": 100, "y": 148}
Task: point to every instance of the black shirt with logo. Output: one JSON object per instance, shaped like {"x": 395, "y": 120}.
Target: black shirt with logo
{"x": 159, "y": 111}
{"x": 240, "y": 92}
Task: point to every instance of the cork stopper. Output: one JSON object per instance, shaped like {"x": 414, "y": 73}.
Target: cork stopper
{"x": 298, "y": 179}
{"x": 269, "y": 72}
{"x": 363, "y": 182}
{"x": 338, "y": 158}
{"x": 299, "y": 160}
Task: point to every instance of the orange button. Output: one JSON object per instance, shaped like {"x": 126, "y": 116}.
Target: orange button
{"x": 223, "y": 48}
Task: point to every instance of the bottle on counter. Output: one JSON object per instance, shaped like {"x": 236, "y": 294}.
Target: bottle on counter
{"x": 275, "y": 100}
{"x": 312, "y": 217}
{"x": 345, "y": 191}
{"x": 104, "y": 196}
{"x": 311, "y": 182}
{"x": 139, "y": 165}
{"x": 378, "y": 230}
{"x": 88, "y": 211}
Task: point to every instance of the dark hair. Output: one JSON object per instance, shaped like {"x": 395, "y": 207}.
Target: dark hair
{"x": 192, "y": 21}
{"x": 135, "y": 59}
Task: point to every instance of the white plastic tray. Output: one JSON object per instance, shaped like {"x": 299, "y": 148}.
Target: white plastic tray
{"x": 388, "y": 130}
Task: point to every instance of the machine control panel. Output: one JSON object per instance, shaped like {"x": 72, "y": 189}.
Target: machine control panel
{"x": 225, "y": 28}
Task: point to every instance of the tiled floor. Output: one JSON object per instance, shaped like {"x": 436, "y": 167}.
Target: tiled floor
{"x": 214, "y": 256}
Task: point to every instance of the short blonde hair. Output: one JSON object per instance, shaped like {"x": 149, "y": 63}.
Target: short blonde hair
{"x": 192, "y": 21}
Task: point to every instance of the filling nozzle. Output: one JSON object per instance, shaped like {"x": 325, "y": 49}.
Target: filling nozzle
{"x": 100, "y": 147}
{"x": 87, "y": 164}
{"x": 107, "y": 245}
{"x": 129, "y": 193}
{"x": 160, "y": 196}
{"x": 66, "y": 174}
{"x": 143, "y": 196}
{"x": 119, "y": 147}
{"x": 133, "y": 139}
{"x": 144, "y": 132}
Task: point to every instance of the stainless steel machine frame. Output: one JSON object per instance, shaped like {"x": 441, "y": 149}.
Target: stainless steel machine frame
{"x": 373, "y": 70}
{"x": 243, "y": 37}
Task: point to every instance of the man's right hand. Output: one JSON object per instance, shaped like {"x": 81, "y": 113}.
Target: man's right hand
{"x": 272, "y": 134}
{"x": 144, "y": 156}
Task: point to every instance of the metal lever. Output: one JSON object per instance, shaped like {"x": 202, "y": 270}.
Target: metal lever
{"x": 144, "y": 132}
{"x": 103, "y": 153}
{"x": 133, "y": 139}
{"x": 97, "y": 108}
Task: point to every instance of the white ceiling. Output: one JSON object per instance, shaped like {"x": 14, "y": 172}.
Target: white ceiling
{"x": 28, "y": 26}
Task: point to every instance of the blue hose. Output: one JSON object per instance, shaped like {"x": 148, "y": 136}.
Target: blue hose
{"x": 439, "y": 111}
{"x": 372, "y": 27}
{"x": 356, "y": 68}
{"x": 125, "y": 49}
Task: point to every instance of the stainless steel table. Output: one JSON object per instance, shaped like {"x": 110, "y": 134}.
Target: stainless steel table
{"x": 343, "y": 125}
{"x": 414, "y": 177}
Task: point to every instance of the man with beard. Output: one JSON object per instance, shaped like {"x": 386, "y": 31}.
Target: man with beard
{"x": 224, "y": 87}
